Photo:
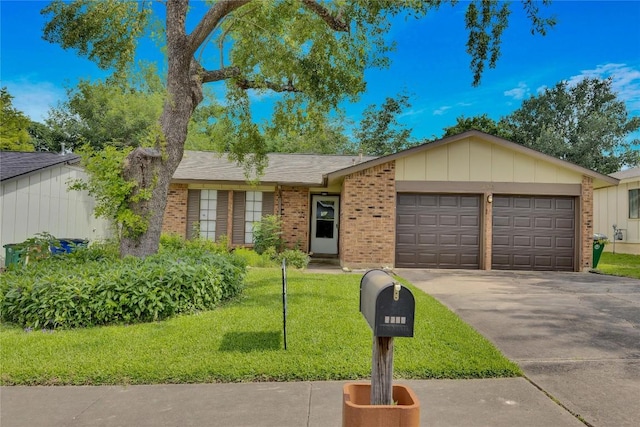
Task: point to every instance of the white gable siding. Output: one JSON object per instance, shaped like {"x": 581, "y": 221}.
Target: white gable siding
{"x": 40, "y": 202}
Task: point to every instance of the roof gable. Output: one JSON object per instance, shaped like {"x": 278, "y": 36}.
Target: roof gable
{"x": 628, "y": 174}
{"x": 15, "y": 163}
{"x": 600, "y": 180}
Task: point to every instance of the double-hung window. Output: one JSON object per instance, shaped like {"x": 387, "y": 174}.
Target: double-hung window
{"x": 252, "y": 213}
{"x": 634, "y": 204}
{"x": 208, "y": 208}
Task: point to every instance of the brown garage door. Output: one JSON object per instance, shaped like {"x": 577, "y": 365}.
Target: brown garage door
{"x": 438, "y": 231}
{"x": 533, "y": 233}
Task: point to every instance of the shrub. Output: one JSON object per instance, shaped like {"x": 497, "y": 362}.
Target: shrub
{"x": 253, "y": 259}
{"x": 268, "y": 234}
{"x": 175, "y": 242}
{"x": 294, "y": 257}
{"x": 82, "y": 290}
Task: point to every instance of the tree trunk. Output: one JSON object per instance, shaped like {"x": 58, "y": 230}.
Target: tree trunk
{"x": 153, "y": 168}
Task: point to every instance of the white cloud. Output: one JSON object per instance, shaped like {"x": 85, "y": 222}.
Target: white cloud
{"x": 519, "y": 92}
{"x": 34, "y": 98}
{"x": 412, "y": 112}
{"x": 440, "y": 111}
{"x": 541, "y": 89}
{"x": 625, "y": 81}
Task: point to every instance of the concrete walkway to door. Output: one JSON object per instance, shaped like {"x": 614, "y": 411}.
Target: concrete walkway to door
{"x": 575, "y": 335}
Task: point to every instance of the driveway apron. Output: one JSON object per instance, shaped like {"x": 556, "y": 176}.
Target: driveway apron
{"x": 575, "y": 335}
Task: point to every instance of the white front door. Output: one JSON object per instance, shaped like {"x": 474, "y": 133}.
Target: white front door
{"x": 325, "y": 217}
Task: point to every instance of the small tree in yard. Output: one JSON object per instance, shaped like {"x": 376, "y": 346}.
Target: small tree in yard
{"x": 313, "y": 52}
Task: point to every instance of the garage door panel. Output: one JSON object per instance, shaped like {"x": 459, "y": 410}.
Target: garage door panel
{"x": 469, "y": 201}
{"x": 522, "y": 221}
{"x": 564, "y": 204}
{"x": 501, "y": 221}
{"x": 522, "y": 260}
{"x": 521, "y": 241}
{"x": 544, "y": 222}
{"x": 501, "y": 240}
{"x": 565, "y": 242}
{"x": 469, "y": 220}
{"x": 427, "y": 219}
{"x": 470, "y": 240}
{"x": 543, "y": 204}
{"x": 566, "y": 262}
{"x": 449, "y": 201}
{"x": 533, "y": 233}
{"x": 427, "y": 201}
{"x": 406, "y": 219}
{"x": 448, "y": 240}
{"x": 544, "y": 242}
{"x": 405, "y": 238}
{"x": 447, "y": 232}
{"x": 407, "y": 200}
{"x": 543, "y": 261}
{"x": 565, "y": 223}
{"x": 520, "y": 203}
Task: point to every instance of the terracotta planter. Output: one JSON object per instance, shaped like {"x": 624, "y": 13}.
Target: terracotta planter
{"x": 358, "y": 412}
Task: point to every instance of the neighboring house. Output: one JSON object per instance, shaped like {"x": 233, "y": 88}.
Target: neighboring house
{"x": 34, "y": 199}
{"x": 620, "y": 206}
{"x": 470, "y": 201}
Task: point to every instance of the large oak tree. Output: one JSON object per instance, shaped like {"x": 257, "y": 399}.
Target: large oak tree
{"x": 314, "y": 52}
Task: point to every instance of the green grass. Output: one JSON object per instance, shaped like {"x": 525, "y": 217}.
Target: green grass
{"x": 620, "y": 265}
{"x": 242, "y": 341}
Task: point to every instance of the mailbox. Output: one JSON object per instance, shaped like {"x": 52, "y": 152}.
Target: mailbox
{"x": 388, "y": 307}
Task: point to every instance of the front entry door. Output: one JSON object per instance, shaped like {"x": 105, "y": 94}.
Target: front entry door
{"x": 324, "y": 224}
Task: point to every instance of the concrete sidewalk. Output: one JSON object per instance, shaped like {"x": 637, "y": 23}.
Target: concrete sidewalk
{"x": 492, "y": 402}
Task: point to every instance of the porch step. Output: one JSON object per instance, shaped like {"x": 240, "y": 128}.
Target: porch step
{"x": 320, "y": 260}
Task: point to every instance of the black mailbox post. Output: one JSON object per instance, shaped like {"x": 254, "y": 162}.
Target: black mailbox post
{"x": 388, "y": 307}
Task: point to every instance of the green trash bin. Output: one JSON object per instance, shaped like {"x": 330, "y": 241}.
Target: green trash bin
{"x": 599, "y": 242}
{"x": 12, "y": 254}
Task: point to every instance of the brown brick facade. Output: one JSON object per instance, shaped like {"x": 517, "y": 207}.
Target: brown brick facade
{"x": 368, "y": 217}
{"x": 586, "y": 223}
{"x": 292, "y": 204}
{"x": 175, "y": 213}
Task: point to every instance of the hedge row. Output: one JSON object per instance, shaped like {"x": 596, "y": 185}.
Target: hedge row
{"x": 80, "y": 290}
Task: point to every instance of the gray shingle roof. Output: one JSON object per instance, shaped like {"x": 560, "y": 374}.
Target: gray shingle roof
{"x": 14, "y": 163}
{"x": 299, "y": 169}
{"x": 627, "y": 174}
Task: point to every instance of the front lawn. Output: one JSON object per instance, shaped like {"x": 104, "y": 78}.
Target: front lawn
{"x": 242, "y": 341}
{"x": 620, "y": 265}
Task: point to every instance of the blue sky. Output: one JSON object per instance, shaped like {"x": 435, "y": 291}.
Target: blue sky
{"x": 592, "y": 38}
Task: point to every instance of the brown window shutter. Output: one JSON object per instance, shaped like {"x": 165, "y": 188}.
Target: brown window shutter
{"x": 193, "y": 212}
{"x": 267, "y": 203}
{"x": 239, "y": 199}
{"x": 222, "y": 213}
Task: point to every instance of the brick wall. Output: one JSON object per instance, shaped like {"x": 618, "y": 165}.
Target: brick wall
{"x": 175, "y": 213}
{"x": 586, "y": 223}
{"x": 294, "y": 215}
{"x": 368, "y": 217}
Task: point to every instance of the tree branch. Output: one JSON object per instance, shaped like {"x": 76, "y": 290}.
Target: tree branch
{"x": 334, "y": 22}
{"x": 243, "y": 83}
{"x": 250, "y": 84}
{"x": 218, "y": 75}
{"x": 211, "y": 20}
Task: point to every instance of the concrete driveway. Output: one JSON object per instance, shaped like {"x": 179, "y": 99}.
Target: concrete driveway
{"x": 575, "y": 335}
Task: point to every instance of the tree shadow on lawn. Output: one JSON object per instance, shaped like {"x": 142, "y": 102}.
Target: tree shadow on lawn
{"x": 247, "y": 342}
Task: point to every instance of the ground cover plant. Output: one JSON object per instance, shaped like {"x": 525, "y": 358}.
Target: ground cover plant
{"x": 93, "y": 286}
{"x": 620, "y": 265}
{"x": 242, "y": 340}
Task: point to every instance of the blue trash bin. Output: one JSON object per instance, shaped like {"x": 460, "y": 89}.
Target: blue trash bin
{"x": 67, "y": 245}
